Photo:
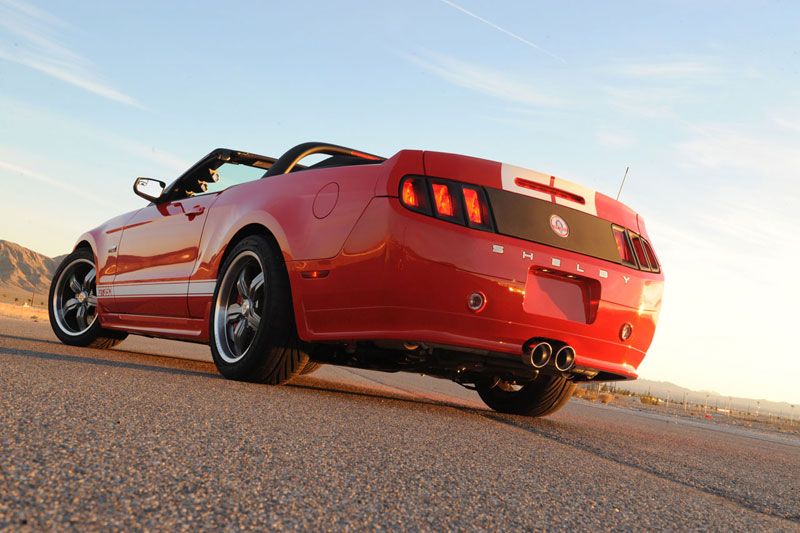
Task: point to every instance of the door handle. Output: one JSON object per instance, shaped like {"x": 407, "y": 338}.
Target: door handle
{"x": 196, "y": 210}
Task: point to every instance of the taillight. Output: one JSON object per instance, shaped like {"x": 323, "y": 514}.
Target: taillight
{"x": 473, "y": 206}
{"x": 651, "y": 256}
{"x": 463, "y": 204}
{"x": 414, "y": 194}
{"x": 442, "y": 200}
{"x": 623, "y": 246}
{"x": 641, "y": 255}
{"x": 410, "y": 197}
{"x": 477, "y": 206}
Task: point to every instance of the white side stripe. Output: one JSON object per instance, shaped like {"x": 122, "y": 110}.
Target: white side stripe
{"x": 161, "y": 288}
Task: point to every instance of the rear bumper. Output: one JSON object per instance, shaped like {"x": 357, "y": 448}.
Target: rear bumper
{"x": 403, "y": 276}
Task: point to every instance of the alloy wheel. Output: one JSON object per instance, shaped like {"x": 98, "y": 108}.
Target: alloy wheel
{"x": 75, "y": 297}
{"x": 239, "y": 307}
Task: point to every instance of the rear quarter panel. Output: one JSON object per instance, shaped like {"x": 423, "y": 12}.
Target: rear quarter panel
{"x": 285, "y": 205}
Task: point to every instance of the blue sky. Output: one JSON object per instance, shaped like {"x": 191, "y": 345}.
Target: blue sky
{"x": 698, "y": 98}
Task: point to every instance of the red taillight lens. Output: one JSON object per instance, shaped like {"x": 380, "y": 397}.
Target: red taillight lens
{"x": 624, "y": 246}
{"x": 442, "y": 200}
{"x": 414, "y": 194}
{"x": 651, "y": 256}
{"x": 409, "y": 194}
{"x": 473, "y": 201}
{"x": 641, "y": 255}
{"x": 460, "y": 203}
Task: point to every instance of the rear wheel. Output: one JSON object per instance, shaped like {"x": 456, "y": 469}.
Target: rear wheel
{"x": 543, "y": 396}
{"x": 253, "y": 335}
{"x": 72, "y": 304}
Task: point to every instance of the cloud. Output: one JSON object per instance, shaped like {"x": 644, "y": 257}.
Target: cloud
{"x": 502, "y": 30}
{"x": 747, "y": 190}
{"x": 721, "y": 148}
{"x": 791, "y": 122}
{"x": 484, "y": 80}
{"x": 645, "y": 102}
{"x": 668, "y": 70}
{"x": 60, "y": 124}
{"x": 71, "y": 188}
{"x": 613, "y": 139}
{"x": 36, "y": 47}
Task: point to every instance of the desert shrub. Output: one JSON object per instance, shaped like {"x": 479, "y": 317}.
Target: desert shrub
{"x": 649, "y": 400}
{"x": 606, "y": 397}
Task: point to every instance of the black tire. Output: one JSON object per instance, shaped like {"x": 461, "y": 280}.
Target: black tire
{"x": 89, "y": 333}
{"x": 274, "y": 353}
{"x": 543, "y": 396}
{"x": 310, "y": 368}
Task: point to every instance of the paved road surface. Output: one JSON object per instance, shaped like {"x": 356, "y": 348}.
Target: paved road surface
{"x": 129, "y": 438}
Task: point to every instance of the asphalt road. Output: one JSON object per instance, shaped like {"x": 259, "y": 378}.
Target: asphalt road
{"x": 129, "y": 439}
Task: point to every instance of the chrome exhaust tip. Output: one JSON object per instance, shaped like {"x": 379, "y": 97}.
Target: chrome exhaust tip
{"x": 565, "y": 358}
{"x": 539, "y": 354}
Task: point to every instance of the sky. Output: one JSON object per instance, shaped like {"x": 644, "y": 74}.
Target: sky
{"x": 699, "y": 99}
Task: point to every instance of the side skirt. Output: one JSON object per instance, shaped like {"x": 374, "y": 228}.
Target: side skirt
{"x": 184, "y": 329}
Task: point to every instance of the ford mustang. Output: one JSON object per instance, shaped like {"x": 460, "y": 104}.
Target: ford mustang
{"x": 508, "y": 281}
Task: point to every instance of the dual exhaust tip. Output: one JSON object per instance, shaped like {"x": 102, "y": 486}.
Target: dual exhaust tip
{"x": 540, "y": 353}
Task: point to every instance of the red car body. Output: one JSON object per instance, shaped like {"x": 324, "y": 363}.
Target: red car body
{"x": 363, "y": 267}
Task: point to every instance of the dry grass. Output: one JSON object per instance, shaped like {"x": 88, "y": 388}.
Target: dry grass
{"x": 606, "y": 397}
{"x": 25, "y": 313}
{"x": 593, "y": 395}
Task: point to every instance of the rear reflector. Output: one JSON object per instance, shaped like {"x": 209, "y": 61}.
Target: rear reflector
{"x": 315, "y": 274}
{"x": 442, "y": 200}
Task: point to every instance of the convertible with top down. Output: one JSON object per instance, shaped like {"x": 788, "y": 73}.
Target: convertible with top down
{"x": 513, "y": 282}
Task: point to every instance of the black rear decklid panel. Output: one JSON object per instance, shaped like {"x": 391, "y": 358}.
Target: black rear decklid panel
{"x": 528, "y": 218}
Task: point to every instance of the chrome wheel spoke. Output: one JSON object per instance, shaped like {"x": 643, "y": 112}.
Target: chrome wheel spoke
{"x": 80, "y": 317}
{"x": 70, "y": 305}
{"x": 74, "y": 285}
{"x": 254, "y": 320}
{"x": 89, "y": 279}
{"x": 234, "y": 312}
{"x": 91, "y": 301}
{"x": 241, "y": 284}
{"x": 239, "y": 330}
{"x": 255, "y": 286}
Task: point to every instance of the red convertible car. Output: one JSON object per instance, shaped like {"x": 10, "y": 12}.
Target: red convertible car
{"x": 512, "y": 282}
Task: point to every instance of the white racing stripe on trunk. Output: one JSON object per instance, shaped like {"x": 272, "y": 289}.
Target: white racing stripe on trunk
{"x": 159, "y": 288}
{"x": 509, "y": 173}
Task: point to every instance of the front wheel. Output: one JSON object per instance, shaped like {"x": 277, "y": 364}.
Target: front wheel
{"x": 542, "y": 396}
{"x": 72, "y": 304}
{"x": 253, "y": 335}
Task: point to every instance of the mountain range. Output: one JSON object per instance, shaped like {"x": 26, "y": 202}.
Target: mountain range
{"x": 675, "y": 393}
{"x": 24, "y": 270}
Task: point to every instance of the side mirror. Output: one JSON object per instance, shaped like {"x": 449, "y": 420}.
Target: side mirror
{"x": 149, "y": 189}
